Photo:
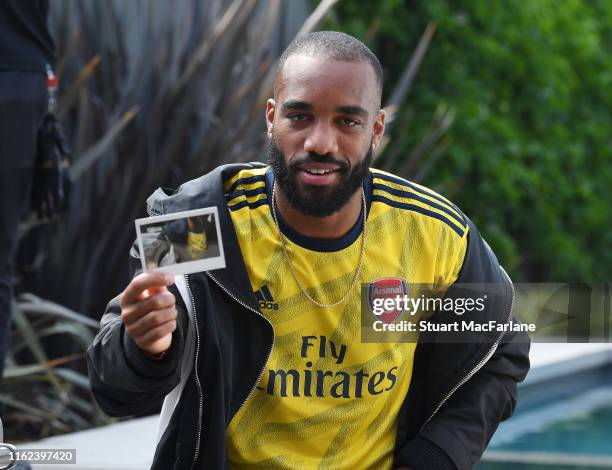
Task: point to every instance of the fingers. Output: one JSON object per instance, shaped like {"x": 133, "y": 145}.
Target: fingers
{"x": 150, "y": 322}
{"x": 135, "y": 289}
{"x": 133, "y": 312}
{"x": 153, "y": 290}
{"x": 148, "y": 311}
{"x": 156, "y": 334}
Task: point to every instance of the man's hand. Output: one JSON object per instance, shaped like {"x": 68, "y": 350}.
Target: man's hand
{"x": 148, "y": 311}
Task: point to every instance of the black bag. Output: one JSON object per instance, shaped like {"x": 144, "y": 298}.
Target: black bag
{"x": 51, "y": 183}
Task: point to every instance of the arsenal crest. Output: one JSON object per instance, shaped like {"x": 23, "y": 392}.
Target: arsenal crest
{"x": 387, "y": 288}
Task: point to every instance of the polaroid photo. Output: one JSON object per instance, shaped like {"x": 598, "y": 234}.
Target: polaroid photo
{"x": 181, "y": 243}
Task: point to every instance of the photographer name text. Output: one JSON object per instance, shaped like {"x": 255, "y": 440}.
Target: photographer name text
{"x": 456, "y": 326}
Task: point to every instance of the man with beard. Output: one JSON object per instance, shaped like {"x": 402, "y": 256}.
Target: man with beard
{"x": 261, "y": 364}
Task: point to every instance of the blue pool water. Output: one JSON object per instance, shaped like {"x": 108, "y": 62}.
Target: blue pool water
{"x": 584, "y": 434}
{"x": 565, "y": 424}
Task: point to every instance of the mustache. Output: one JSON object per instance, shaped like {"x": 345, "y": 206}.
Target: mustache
{"x": 314, "y": 157}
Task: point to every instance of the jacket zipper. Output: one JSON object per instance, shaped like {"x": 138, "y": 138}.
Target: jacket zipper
{"x": 197, "y": 378}
{"x": 271, "y": 346}
{"x": 152, "y": 212}
{"x": 480, "y": 364}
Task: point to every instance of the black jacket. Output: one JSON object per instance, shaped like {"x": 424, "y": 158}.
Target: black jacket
{"x": 458, "y": 394}
{"x": 25, "y": 41}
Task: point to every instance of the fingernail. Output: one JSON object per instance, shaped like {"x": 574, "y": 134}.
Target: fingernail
{"x": 169, "y": 278}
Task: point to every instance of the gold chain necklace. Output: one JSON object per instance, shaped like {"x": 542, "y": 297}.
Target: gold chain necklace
{"x": 292, "y": 269}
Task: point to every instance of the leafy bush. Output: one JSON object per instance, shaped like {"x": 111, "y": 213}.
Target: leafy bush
{"x": 528, "y": 153}
{"x": 42, "y": 393}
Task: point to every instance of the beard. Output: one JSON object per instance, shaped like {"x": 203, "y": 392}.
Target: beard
{"x": 312, "y": 200}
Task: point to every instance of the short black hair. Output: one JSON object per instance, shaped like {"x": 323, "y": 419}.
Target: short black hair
{"x": 334, "y": 44}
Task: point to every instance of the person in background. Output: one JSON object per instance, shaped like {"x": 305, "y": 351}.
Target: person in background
{"x": 26, "y": 52}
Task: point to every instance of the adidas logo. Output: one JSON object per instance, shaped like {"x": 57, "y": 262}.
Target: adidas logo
{"x": 265, "y": 299}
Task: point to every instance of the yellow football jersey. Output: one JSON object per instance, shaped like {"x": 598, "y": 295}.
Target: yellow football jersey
{"x": 196, "y": 244}
{"x": 326, "y": 399}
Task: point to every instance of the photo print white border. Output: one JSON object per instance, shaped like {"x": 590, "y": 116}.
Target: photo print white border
{"x": 189, "y": 267}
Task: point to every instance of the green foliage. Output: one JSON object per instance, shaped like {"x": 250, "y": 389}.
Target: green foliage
{"x": 43, "y": 394}
{"x": 530, "y": 148}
